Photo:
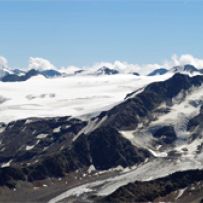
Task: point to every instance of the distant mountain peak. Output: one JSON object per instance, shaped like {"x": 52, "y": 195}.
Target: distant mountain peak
{"x": 185, "y": 68}
{"x": 50, "y": 73}
{"x": 104, "y": 70}
{"x": 159, "y": 71}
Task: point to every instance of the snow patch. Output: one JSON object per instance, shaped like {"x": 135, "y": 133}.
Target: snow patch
{"x": 91, "y": 169}
{"x": 6, "y": 164}
{"x": 180, "y": 193}
{"x": 41, "y": 136}
{"x": 29, "y": 147}
{"x": 28, "y": 121}
{"x": 158, "y": 154}
{"x": 2, "y": 129}
{"x": 57, "y": 130}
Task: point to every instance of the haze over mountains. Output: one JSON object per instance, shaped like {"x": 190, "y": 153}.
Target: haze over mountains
{"x": 101, "y": 134}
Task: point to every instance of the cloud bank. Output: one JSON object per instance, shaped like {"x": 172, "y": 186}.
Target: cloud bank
{"x": 184, "y": 59}
{"x": 124, "y": 67}
{"x": 175, "y": 60}
{"x": 3, "y": 63}
{"x": 40, "y": 64}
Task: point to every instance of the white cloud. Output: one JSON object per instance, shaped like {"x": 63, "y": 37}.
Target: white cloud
{"x": 118, "y": 65}
{"x": 175, "y": 60}
{"x": 69, "y": 70}
{"x": 184, "y": 59}
{"x": 3, "y": 63}
{"x": 4, "y": 68}
{"x": 122, "y": 66}
{"x": 40, "y": 63}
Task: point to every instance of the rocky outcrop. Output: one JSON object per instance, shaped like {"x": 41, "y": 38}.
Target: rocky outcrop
{"x": 165, "y": 135}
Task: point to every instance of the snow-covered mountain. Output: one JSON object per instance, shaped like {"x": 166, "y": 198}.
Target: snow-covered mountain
{"x": 13, "y": 75}
{"x": 164, "y": 119}
{"x": 119, "y": 137}
{"x": 187, "y": 69}
{"x": 18, "y": 75}
{"x": 106, "y": 71}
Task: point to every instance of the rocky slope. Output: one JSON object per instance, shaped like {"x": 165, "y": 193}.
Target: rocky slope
{"x": 36, "y": 149}
{"x": 149, "y": 191}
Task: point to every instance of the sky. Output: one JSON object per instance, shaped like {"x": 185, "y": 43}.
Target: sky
{"x": 83, "y": 32}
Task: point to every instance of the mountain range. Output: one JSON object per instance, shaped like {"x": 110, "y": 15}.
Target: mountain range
{"x": 16, "y": 75}
{"x": 143, "y": 145}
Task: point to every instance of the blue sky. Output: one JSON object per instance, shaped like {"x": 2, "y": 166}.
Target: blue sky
{"x": 84, "y": 32}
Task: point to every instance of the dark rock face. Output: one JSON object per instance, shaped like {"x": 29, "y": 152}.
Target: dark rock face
{"x": 78, "y": 72}
{"x": 27, "y": 75}
{"x": 11, "y": 78}
{"x": 17, "y": 78}
{"x": 160, "y": 71}
{"x": 50, "y": 73}
{"x": 105, "y": 148}
{"x": 31, "y": 73}
{"x": 190, "y": 68}
{"x": 56, "y": 165}
{"x": 10, "y": 175}
{"x": 109, "y": 149}
{"x": 39, "y": 148}
{"x": 149, "y": 190}
{"x": 42, "y": 148}
{"x": 165, "y": 135}
{"x": 135, "y": 73}
{"x": 39, "y": 134}
{"x": 106, "y": 71}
